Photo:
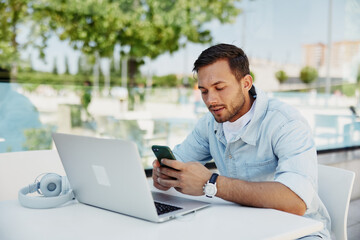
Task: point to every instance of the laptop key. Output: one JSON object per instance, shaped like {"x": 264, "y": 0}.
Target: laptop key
{"x": 163, "y": 208}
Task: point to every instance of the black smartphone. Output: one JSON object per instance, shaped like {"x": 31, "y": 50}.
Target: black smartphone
{"x": 162, "y": 152}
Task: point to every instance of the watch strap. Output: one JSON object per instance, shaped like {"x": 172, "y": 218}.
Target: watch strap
{"x": 213, "y": 178}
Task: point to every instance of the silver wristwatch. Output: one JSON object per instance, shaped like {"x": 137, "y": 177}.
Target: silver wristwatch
{"x": 210, "y": 189}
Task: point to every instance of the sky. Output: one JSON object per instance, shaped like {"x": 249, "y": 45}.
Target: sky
{"x": 268, "y": 29}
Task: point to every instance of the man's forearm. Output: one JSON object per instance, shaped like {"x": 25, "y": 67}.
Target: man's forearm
{"x": 260, "y": 194}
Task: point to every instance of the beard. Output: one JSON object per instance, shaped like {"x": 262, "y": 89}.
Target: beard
{"x": 229, "y": 112}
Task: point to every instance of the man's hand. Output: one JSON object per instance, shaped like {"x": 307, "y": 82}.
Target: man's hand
{"x": 188, "y": 178}
{"x": 156, "y": 174}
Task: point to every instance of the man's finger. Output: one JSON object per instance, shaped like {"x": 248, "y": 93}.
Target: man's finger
{"x": 172, "y": 163}
{"x": 171, "y": 173}
{"x": 156, "y": 163}
{"x": 160, "y": 187}
{"x": 163, "y": 176}
{"x": 167, "y": 182}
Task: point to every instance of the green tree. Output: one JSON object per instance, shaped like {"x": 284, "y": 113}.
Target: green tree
{"x": 67, "y": 66}
{"x": 281, "y": 76}
{"x": 13, "y": 13}
{"x": 146, "y": 28}
{"x": 252, "y": 75}
{"x": 165, "y": 81}
{"x": 308, "y": 74}
{"x": 55, "y": 68}
{"x": 84, "y": 66}
{"x": 80, "y": 70}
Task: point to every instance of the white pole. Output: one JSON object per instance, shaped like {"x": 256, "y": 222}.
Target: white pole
{"x": 328, "y": 59}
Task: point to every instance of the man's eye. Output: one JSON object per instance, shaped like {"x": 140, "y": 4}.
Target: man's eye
{"x": 219, "y": 89}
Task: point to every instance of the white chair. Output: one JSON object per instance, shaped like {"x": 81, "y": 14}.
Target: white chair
{"x": 335, "y": 186}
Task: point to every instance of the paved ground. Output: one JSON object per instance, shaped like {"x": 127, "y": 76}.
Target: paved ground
{"x": 353, "y": 228}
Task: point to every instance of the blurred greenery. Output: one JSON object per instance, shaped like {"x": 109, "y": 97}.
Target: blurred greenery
{"x": 146, "y": 28}
{"x": 252, "y": 75}
{"x": 281, "y": 76}
{"x": 308, "y": 74}
{"x": 13, "y": 14}
{"x": 166, "y": 81}
{"x": 38, "y": 138}
{"x": 31, "y": 80}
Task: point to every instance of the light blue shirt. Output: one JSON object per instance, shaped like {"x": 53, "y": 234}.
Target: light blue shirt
{"x": 276, "y": 145}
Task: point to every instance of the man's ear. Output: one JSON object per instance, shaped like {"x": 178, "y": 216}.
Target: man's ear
{"x": 247, "y": 82}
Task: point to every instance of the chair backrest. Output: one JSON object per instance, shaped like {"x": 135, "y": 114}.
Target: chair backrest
{"x": 335, "y": 186}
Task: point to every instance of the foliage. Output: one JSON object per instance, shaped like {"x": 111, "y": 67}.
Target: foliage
{"x": 308, "y": 74}
{"x": 55, "y": 67}
{"x": 281, "y": 76}
{"x": 13, "y": 13}
{"x": 145, "y": 28}
{"x": 84, "y": 65}
{"x": 38, "y": 138}
{"x": 191, "y": 82}
{"x": 50, "y": 78}
{"x": 33, "y": 79}
{"x": 252, "y": 75}
{"x": 348, "y": 89}
{"x": 67, "y": 67}
{"x": 165, "y": 81}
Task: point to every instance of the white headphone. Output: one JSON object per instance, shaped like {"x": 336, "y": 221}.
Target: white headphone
{"x": 54, "y": 188}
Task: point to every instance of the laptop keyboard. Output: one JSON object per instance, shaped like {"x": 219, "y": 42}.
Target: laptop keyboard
{"x": 163, "y": 208}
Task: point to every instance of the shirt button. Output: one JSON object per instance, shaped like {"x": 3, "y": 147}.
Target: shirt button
{"x": 230, "y": 156}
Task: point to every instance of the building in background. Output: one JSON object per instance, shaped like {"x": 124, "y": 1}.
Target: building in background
{"x": 345, "y": 58}
{"x": 314, "y": 55}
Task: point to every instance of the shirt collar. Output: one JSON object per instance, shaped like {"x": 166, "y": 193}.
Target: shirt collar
{"x": 250, "y": 135}
{"x": 237, "y": 126}
{"x": 251, "y": 132}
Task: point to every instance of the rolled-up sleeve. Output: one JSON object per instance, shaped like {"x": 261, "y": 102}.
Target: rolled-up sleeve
{"x": 297, "y": 159}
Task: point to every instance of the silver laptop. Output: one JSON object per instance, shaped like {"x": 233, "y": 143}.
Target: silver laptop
{"x": 108, "y": 173}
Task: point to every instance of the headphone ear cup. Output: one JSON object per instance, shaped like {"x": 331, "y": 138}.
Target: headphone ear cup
{"x": 51, "y": 184}
{"x": 65, "y": 185}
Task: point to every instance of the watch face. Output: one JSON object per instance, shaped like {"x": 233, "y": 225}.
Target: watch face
{"x": 210, "y": 189}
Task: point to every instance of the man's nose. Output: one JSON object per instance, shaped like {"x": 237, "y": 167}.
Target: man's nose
{"x": 212, "y": 99}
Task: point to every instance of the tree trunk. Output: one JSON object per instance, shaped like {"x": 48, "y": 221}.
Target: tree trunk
{"x": 14, "y": 65}
{"x": 96, "y": 73}
{"x": 132, "y": 69}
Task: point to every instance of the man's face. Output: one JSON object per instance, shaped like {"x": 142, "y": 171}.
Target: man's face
{"x": 222, "y": 93}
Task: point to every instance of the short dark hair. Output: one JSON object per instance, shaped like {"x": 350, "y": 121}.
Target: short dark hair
{"x": 237, "y": 59}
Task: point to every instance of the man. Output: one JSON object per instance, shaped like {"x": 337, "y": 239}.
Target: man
{"x": 263, "y": 148}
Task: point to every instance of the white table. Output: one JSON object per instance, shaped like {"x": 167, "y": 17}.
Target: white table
{"x": 222, "y": 220}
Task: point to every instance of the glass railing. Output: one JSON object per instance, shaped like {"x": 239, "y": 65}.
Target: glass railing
{"x": 29, "y": 114}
